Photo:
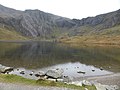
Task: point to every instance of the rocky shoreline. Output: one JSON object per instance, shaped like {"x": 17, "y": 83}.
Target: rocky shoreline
{"x": 110, "y": 81}
{"x": 105, "y": 82}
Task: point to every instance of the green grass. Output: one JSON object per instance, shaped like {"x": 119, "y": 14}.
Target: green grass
{"x": 20, "y": 80}
{"x": 6, "y": 34}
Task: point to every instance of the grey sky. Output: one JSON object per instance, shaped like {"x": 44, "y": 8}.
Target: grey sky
{"x": 66, "y": 8}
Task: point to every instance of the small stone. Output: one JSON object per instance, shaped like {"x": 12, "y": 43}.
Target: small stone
{"x": 31, "y": 73}
{"x": 66, "y": 79}
{"x": 101, "y": 68}
{"x": 66, "y": 68}
{"x": 81, "y": 72}
{"x": 22, "y": 72}
{"x": 37, "y": 75}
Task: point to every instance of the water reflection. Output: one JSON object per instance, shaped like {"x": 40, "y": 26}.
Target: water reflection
{"x": 39, "y": 55}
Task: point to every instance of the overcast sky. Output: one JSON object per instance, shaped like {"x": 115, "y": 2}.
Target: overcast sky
{"x": 66, "y": 8}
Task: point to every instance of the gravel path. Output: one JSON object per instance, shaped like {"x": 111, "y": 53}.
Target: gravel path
{"x": 9, "y": 86}
{"x": 113, "y": 79}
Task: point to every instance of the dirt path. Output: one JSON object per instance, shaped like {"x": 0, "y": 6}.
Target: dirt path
{"x": 9, "y": 86}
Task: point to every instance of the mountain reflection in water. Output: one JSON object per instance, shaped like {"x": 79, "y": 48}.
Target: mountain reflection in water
{"x": 40, "y": 55}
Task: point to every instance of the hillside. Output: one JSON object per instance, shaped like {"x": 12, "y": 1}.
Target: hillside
{"x": 34, "y": 23}
{"x": 105, "y": 36}
{"x": 6, "y": 34}
{"x": 37, "y": 24}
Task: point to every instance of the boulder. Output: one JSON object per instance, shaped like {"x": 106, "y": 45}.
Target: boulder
{"x": 55, "y": 74}
{"x": 40, "y": 74}
{"x": 86, "y": 83}
{"x": 4, "y": 69}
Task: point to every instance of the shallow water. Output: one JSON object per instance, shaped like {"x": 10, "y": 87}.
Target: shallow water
{"x": 41, "y": 56}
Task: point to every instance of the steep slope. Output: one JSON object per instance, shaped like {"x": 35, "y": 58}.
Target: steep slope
{"x": 6, "y": 34}
{"x": 34, "y": 23}
{"x": 41, "y": 25}
{"x": 104, "y": 36}
{"x": 96, "y": 25}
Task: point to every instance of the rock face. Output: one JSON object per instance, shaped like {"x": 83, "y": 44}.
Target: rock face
{"x": 107, "y": 20}
{"x": 4, "y": 69}
{"x": 33, "y": 22}
{"x": 36, "y": 23}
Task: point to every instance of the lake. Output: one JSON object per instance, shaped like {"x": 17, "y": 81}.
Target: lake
{"x": 42, "y": 56}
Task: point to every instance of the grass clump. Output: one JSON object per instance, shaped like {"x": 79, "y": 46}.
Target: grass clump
{"x": 20, "y": 80}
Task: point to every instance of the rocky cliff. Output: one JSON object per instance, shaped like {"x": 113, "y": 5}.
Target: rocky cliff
{"x": 107, "y": 20}
{"x": 33, "y": 23}
{"x": 36, "y": 23}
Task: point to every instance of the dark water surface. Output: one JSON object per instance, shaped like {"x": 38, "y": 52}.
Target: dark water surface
{"x": 41, "y": 56}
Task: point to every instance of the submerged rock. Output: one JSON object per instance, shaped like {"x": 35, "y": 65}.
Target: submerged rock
{"x": 22, "y": 72}
{"x": 81, "y": 72}
{"x": 93, "y": 70}
{"x": 17, "y": 69}
{"x": 4, "y": 69}
{"x": 31, "y": 73}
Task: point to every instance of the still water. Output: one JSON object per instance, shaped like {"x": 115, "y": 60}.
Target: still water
{"x": 42, "y": 56}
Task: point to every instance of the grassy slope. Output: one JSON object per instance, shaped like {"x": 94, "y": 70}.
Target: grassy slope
{"x": 20, "y": 80}
{"x": 6, "y": 34}
{"x": 106, "y": 36}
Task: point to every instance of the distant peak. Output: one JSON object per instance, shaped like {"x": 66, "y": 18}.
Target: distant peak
{"x": 30, "y": 10}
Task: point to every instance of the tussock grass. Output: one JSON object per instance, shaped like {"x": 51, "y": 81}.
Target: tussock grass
{"x": 103, "y": 39}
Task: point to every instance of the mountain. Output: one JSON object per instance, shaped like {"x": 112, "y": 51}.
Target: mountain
{"x": 39, "y": 24}
{"x": 95, "y": 25}
{"x": 34, "y": 23}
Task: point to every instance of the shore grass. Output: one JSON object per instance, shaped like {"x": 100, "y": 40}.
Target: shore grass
{"x": 24, "y": 81}
{"x": 103, "y": 39}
